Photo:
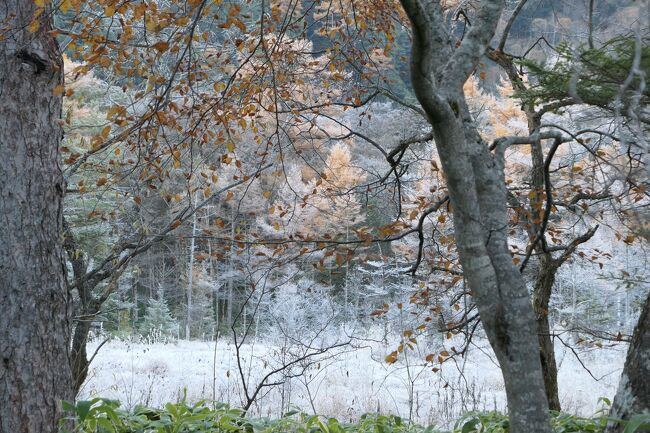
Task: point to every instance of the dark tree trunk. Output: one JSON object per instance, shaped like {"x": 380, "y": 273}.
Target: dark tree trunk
{"x": 633, "y": 394}
{"x": 34, "y": 299}
{"x": 541, "y": 297}
{"x": 545, "y": 276}
{"x": 79, "y": 356}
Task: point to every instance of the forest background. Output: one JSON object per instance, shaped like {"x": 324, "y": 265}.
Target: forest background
{"x": 263, "y": 176}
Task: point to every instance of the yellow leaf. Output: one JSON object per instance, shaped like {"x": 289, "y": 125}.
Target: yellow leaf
{"x": 229, "y": 195}
{"x": 105, "y": 131}
{"x": 391, "y": 358}
{"x": 65, "y": 6}
{"x": 34, "y": 26}
{"x": 267, "y": 194}
{"x": 230, "y": 146}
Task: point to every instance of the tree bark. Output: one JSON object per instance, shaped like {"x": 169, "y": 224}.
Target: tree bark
{"x": 633, "y": 394}
{"x": 478, "y": 196}
{"x": 545, "y": 279}
{"x": 79, "y": 355}
{"x": 545, "y": 275}
{"x": 34, "y": 318}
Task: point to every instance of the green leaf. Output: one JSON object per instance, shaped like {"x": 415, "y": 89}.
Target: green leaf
{"x": 471, "y": 425}
{"x": 82, "y": 409}
{"x": 637, "y": 421}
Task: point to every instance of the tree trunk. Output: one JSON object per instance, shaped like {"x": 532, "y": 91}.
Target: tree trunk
{"x": 548, "y": 266}
{"x": 35, "y": 316}
{"x": 79, "y": 355}
{"x": 633, "y": 394}
{"x": 545, "y": 276}
{"x": 190, "y": 281}
{"x": 478, "y": 196}
{"x": 541, "y": 297}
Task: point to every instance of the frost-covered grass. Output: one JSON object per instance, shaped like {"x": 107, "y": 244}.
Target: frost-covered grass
{"x": 353, "y": 382}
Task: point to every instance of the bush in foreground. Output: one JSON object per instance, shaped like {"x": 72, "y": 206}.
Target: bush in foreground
{"x": 105, "y": 416}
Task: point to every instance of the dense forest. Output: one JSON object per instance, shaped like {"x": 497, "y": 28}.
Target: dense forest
{"x": 252, "y": 215}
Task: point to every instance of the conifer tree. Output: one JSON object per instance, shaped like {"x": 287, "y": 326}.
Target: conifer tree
{"x": 158, "y": 321}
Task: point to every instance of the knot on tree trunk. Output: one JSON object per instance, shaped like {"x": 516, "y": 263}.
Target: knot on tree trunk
{"x": 39, "y": 63}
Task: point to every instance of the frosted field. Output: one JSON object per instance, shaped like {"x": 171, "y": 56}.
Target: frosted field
{"x": 353, "y": 382}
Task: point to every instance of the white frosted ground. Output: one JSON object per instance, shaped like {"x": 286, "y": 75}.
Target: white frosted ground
{"x": 346, "y": 387}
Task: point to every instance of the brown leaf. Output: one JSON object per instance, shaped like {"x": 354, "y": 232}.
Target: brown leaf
{"x": 161, "y": 46}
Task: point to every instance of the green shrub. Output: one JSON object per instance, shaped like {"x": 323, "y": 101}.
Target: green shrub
{"x": 105, "y": 416}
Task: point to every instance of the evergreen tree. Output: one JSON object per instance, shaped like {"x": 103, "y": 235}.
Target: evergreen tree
{"x": 158, "y": 320}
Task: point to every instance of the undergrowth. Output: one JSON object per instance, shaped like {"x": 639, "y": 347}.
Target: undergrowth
{"x": 105, "y": 416}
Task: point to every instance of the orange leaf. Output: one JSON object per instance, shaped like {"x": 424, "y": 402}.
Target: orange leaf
{"x": 105, "y": 131}
{"x": 161, "y": 46}
{"x": 175, "y": 224}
